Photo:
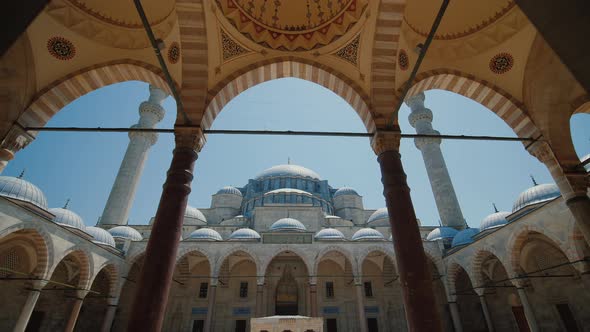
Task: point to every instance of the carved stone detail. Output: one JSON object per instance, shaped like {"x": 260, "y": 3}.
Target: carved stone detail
{"x": 383, "y": 141}
{"x": 189, "y": 137}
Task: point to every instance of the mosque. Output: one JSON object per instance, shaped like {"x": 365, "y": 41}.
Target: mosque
{"x": 286, "y": 252}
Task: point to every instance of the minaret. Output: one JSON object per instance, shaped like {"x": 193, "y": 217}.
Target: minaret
{"x": 440, "y": 181}
{"x": 116, "y": 211}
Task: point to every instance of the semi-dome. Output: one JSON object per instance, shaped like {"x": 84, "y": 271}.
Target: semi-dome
{"x": 67, "y": 218}
{"x": 195, "y": 214}
{"x": 244, "y": 234}
{"x": 101, "y": 236}
{"x": 379, "y": 218}
{"x": 442, "y": 232}
{"x": 367, "y": 234}
{"x": 345, "y": 191}
{"x": 537, "y": 194}
{"x": 288, "y": 170}
{"x": 329, "y": 234}
{"x": 494, "y": 220}
{"x": 205, "y": 234}
{"x": 22, "y": 190}
{"x": 464, "y": 237}
{"x": 125, "y": 232}
{"x": 229, "y": 190}
{"x": 288, "y": 224}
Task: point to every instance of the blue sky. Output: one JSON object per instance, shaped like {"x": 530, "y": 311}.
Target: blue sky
{"x": 83, "y": 166}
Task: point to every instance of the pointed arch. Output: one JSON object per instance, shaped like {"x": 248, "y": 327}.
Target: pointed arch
{"x": 219, "y": 262}
{"x": 112, "y": 272}
{"x": 42, "y": 243}
{"x": 84, "y": 260}
{"x": 365, "y": 253}
{"x": 479, "y": 258}
{"x": 305, "y": 258}
{"x": 344, "y": 252}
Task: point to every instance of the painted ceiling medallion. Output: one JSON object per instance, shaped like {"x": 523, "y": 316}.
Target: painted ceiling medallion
{"x": 402, "y": 60}
{"x": 299, "y": 25}
{"x": 501, "y": 63}
{"x": 61, "y": 48}
{"x": 173, "y": 53}
{"x": 231, "y": 49}
{"x": 350, "y": 52}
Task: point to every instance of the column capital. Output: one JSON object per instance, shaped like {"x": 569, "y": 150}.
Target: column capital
{"x": 213, "y": 281}
{"x": 191, "y": 137}
{"x": 385, "y": 140}
{"x": 542, "y": 151}
{"x": 313, "y": 281}
{"x": 260, "y": 280}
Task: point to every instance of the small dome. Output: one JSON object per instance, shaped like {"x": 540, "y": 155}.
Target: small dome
{"x": 22, "y": 190}
{"x": 464, "y": 237}
{"x": 494, "y": 220}
{"x": 101, "y": 236}
{"x": 441, "y": 233}
{"x": 195, "y": 214}
{"x": 288, "y": 224}
{"x": 367, "y": 234}
{"x": 288, "y": 170}
{"x": 67, "y": 218}
{"x": 379, "y": 218}
{"x": 205, "y": 234}
{"x": 345, "y": 191}
{"x": 126, "y": 232}
{"x": 229, "y": 190}
{"x": 244, "y": 234}
{"x": 329, "y": 234}
{"x": 537, "y": 194}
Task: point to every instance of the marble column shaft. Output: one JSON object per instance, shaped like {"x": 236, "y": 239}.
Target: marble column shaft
{"x": 27, "y": 310}
{"x": 109, "y": 316}
{"x": 75, "y": 312}
{"x": 360, "y": 303}
{"x": 259, "y": 300}
{"x": 528, "y": 310}
{"x": 313, "y": 298}
{"x": 454, "y": 309}
{"x": 486, "y": 312}
{"x": 210, "y": 308}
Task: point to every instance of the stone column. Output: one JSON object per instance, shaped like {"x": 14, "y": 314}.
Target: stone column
{"x": 486, "y": 312}
{"x": 155, "y": 278}
{"x": 260, "y": 300}
{"x": 454, "y": 309}
{"x": 27, "y": 310}
{"x": 420, "y": 303}
{"x": 211, "y": 305}
{"x": 528, "y": 310}
{"x": 436, "y": 168}
{"x": 116, "y": 210}
{"x": 313, "y": 299}
{"x": 78, "y": 301}
{"x": 109, "y": 316}
{"x": 360, "y": 304}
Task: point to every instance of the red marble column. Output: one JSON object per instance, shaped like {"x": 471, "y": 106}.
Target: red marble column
{"x": 415, "y": 277}
{"x": 150, "y": 302}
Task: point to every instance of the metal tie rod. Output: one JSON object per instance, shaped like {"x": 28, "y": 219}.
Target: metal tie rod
{"x": 279, "y": 132}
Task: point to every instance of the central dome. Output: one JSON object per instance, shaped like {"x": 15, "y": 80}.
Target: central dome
{"x": 288, "y": 170}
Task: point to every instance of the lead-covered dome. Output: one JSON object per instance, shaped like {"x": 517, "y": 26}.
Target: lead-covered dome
{"x": 345, "y": 191}
{"x": 229, "y": 190}
{"x": 101, "y": 236}
{"x": 329, "y": 234}
{"x": 67, "y": 218}
{"x": 442, "y": 232}
{"x": 288, "y": 224}
{"x": 288, "y": 170}
{"x": 126, "y": 233}
{"x": 537, "y": 194}
{"x": 379, "y": 218}
{"x": 367, "y": 234}
{"x": 195, "y": 217}
{"x": 464, "y": 237}
{"x": 22, "y": 190}
{"x": 205, "y": 234}
{"x": 244, "y": 234}
{"x": 494, "y": 220}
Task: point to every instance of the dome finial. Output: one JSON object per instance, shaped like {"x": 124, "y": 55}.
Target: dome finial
{"x": 66, "y": 205}
{"x": 495, "y": 208}
{"x": 22, "y": 174}
{"x": 534, "y": 181}
{"x": 288, "y": 160}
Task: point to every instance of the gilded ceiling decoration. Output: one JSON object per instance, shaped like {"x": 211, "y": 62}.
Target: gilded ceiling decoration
{"x": 231, "y": 49}
{"x": 501, "y": 63}
{"x": 290, "y": 25}
{"x": 174, "y": 53}
{"x": 61, "y": 48}
{"x": 350, "y": 52}
{"x": 403, "y": 61}
{"x": 124, "y": 13}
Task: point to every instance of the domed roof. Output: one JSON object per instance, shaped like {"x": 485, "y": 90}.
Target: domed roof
{"x": 464, "y": 237}
{"x": 380, "y": 215}
{"x": 367, "y": 234}
{"x": 442, "y": 232}
{"x": 20, "y": 189}
{"x": 244, "y": 234}
{"x": 205, "y": 234}
{"x": 101, "y": 236}
{"x": 345, "y": 191}
{"x": 288, "y": 170}
{"x": 288, "y": 224}
{"x": 494, "y": 220}
{"x": 329, "y": 234}
{"x": 288, "y": 191}
{"x": 194, "y": 213}
{"x": 537, "y": 194}
{"x": 229, "y": 190}
{"x": 68, "y": 218}
{"x": 126, "y": 232}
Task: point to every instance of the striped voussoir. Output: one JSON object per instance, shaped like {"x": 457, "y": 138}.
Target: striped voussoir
{"x": 193, "y": 53}
{"x": 385, "y": 48}
{"x": 51, "y": 99}
{"x": 494, "y": 98}
{"x": 41, "y": 242}
{"x": 112, "y": 275}
{"x": 258, "y": 73}
{"x": 83, "y": 260}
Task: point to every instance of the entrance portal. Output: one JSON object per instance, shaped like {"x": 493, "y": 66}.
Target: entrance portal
{"x": 286, "y": 295}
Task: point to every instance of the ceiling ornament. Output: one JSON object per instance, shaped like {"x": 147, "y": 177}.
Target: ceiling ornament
{"x": 230, "y": 48}
{"x": 61, "y": 48}
{"x": 350, "y": 52}
{"x": 403, "y": 60}
{"x": 501, "y": 63}
{"x": 300, "y": 25}
{"x": 174, "y": 53}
